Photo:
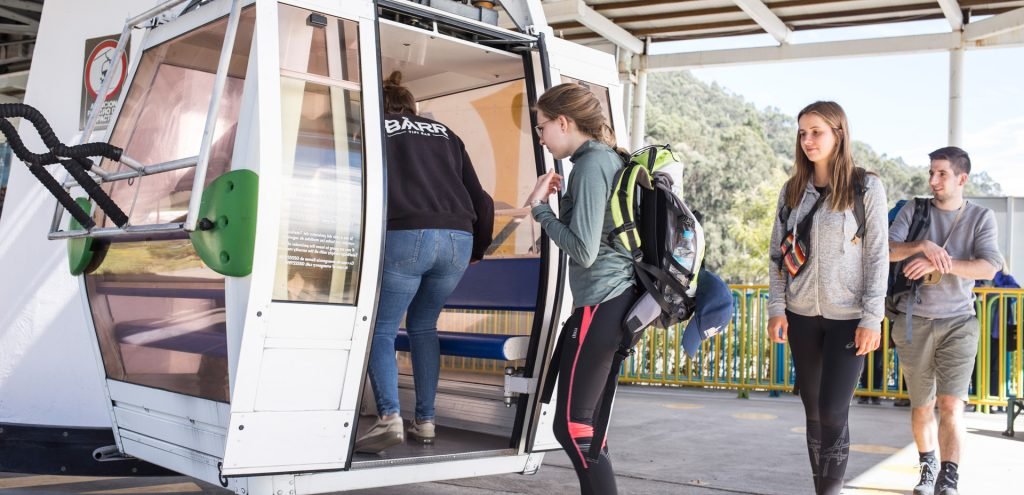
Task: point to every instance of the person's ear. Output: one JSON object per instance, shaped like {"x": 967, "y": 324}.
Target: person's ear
{"x": 963, "y": 179}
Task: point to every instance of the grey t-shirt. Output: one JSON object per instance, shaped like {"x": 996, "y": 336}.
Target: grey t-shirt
{"x": 975, "y": 238}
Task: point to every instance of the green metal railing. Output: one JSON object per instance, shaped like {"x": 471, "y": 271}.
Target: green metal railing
{"x": 744, "y": 359}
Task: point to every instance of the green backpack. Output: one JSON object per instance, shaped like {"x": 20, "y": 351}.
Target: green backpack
{"x": 663, "y": 235}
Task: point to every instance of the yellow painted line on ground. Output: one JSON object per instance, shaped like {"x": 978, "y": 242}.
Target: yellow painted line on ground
{"x": 755, "y": 416}
{"x": 867, "y": 448}
{"x": 895, "y": 474}
{"x": 683, "y": 405}
{"x": 45, "y": 480}
{"x": 872, "y": 491}
{"x": 799, "y": 429}
{"x": 167, "y": 488}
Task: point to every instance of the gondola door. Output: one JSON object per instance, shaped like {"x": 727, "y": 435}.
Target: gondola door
{"x": 314, "y": 287}
{"x": 559, "y": 61}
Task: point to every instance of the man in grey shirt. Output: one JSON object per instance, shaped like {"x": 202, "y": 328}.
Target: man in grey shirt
{"x": 937, "y": 352}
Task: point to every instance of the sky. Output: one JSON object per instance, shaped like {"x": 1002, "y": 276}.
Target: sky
{"x": 898, "y": 104}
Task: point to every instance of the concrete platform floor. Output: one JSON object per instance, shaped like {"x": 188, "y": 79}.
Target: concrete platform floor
{"x": 686, "y": 441}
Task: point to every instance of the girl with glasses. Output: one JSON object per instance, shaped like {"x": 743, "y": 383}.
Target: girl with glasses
{"x": 571, "y": 125}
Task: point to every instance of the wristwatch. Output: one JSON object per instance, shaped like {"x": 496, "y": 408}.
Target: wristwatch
{"x": 537, "y": 202}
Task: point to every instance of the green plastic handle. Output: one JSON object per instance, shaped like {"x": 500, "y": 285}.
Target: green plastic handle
{"x": 226, "y": 234}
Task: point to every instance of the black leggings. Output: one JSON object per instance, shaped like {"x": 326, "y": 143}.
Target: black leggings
{"x": 589, "y": 340}
{"x": 827, "y": 370}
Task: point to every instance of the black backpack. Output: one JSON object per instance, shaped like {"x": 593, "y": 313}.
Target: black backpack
{"x": 898, "y": 283}
{"x": 652, "y": 221}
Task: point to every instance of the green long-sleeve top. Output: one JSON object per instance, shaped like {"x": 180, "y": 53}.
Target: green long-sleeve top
{"x": 598, "y": 269}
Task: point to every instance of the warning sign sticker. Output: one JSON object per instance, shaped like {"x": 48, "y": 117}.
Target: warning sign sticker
{"x": 100, "y": 63}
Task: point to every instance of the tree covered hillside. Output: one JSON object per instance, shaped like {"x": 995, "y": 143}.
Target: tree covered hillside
{"x": 737, "y": 158}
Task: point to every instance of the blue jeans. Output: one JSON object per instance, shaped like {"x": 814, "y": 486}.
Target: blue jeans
{"x": 421, "y": 269}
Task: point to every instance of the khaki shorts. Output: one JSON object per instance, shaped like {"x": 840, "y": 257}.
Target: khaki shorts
{"x": 940, "y": 357}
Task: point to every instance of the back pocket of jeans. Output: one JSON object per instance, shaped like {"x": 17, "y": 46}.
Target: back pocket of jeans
{"x": 462, "y": 248}
{"x": 403, "y": 247}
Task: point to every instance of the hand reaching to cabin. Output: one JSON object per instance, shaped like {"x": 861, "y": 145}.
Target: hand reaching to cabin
{"x": 778, "y": 329}
{"x": 547, "y": 184}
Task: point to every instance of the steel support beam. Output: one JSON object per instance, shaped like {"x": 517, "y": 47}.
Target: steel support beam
{"x": 521, "y": 12}
{"x": 638, "y": 127}
{"x": 955, "y": 16}
{"x": 922, "y": 43}
{"x": 578, "y": 11}
{"x": 22, "y": 5}
{"x": 14, "y": 16}
{"x": 765, "y": 18}
{"x": 624, "y": 61}
{"x": 995, "y": 25}
{"x": 18, "y": 29}
{"x": 956, "y": 102}
{"x": 808, "y": 51}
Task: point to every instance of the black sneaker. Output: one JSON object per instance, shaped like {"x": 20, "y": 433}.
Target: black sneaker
{"x": 946, "y": 484}
{"x": 926, "y": 485}
{"x": 862, "y": 399}
{"x": 901, "y": 403}
{"x": 876, "y": 401}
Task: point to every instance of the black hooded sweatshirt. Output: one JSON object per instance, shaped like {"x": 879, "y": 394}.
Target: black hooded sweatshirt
{"x": 432, "y": 183}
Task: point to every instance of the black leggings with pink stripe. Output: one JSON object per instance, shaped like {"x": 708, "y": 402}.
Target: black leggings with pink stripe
{"x": 588, "y": 342}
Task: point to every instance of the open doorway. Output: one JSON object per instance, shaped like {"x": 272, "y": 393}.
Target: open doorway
{"x": 480, "y": 93}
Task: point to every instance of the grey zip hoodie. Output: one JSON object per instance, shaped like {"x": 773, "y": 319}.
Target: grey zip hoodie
{"x": 844, "y": 279}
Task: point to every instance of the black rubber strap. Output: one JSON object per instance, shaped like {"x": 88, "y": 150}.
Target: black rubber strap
{"x": 76, "y": 167}
{"x": 62, "y": 196}
{"x": 13, "y": 110}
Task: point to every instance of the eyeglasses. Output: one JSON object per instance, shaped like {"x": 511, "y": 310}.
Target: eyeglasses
{"x": 540, "y": 128}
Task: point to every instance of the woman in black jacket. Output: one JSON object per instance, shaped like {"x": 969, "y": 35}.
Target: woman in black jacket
{"x": 439, "y": 220}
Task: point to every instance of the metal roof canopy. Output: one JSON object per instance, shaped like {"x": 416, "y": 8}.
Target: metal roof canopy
{"x": 632, "y": 26}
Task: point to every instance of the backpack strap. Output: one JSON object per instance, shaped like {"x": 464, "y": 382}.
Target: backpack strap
{"x": 622, "y": 206}
{"x": 921, "y": 220}
{"x": 552, "y": 375}
{"x": 859, "y": 190}
{"x": 918, "y": 226}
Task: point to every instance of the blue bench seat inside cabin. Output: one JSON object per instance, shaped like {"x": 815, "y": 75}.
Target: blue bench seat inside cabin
{"x": 503, "y": 284}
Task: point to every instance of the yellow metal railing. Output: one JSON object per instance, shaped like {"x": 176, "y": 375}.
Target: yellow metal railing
{"x": 744, "y": 359}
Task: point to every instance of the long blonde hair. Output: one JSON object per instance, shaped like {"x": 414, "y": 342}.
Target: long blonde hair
{"x": 841, "y": 168}
{"x": 582, "y": 107}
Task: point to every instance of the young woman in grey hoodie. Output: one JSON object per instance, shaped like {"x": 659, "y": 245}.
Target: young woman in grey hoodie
{"x": 827, "y": 299}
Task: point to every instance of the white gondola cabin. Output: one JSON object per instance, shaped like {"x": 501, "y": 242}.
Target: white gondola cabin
{"x": 232, "y": 305}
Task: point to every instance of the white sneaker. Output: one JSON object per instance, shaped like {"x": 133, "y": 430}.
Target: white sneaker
{"x": 422, "y": 432}
{"x": 385, "y": 433}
